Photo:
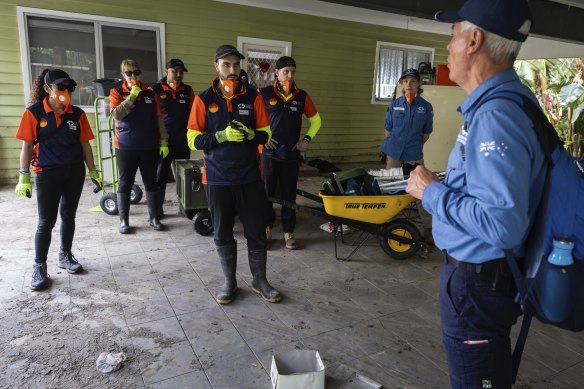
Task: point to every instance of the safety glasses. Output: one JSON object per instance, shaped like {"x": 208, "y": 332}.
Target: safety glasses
{"x": 136, "y": 72}
{"x": 62, "y": 87}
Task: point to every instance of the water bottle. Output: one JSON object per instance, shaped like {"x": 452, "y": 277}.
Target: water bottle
{"x": 561, "y": 255}
{"x": 554, "y": 290}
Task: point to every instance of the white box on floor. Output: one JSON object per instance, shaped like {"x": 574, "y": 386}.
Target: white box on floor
{"x": 297, "y": 369}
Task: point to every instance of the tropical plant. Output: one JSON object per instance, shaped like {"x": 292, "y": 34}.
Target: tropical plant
{"x": 559, "y": 87}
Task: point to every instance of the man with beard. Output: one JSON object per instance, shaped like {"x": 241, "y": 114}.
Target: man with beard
{"x": 175, "y": 99}
{"x": 228, "y": 122}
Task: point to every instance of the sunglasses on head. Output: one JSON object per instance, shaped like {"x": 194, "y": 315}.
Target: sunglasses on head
{"x": 136, "y": 72}
{"x": 62, "y": 87}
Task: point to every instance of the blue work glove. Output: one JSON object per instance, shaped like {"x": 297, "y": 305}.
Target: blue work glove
{"x": 229, "y": 134}
{"x": 249, "y": 133}
{"x": 24, "y": 188}
{"x": 135, "y": 92}
{"x": 164, "y": 148}
{"x": 96, "y": 179}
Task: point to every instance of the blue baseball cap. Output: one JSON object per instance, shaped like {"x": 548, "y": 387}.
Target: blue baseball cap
{"x": 410, "y": 72}
{"x": 501, "y": 17}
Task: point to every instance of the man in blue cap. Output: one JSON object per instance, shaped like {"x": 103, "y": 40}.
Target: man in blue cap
{"x": 487, "y": 201}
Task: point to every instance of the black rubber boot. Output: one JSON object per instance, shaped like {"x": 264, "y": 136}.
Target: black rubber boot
{"x": 152, "y": 214}
{"x": 228, "y": 258}
{"x": 124, "y": 210}
{"x": 40, "y": 278}
{"x": 260, "y": 285}
{"x": 160, "y": 203}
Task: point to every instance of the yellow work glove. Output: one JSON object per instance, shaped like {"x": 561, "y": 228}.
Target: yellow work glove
{"x": 135, "y": 92}
{"x": 96, "y": 179}
{"x": 164, "y": 148}
{"x": 24, "y": 188}
{"x": 249, "y": 133}
{"x": 229, "y": 134}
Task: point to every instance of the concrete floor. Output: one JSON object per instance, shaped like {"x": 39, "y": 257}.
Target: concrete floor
{"x": 150, "y": 295}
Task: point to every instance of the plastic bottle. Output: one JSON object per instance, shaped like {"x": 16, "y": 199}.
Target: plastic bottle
{"x": 555, "y": 289}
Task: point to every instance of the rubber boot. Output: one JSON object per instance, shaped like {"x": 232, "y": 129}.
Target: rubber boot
{"x": 260, "y": 285}
{"x": 228, "y": 258}
{"x": 124, "y": 210}
{"x": 152, "y": 215}
{"x": 160, "y": 203}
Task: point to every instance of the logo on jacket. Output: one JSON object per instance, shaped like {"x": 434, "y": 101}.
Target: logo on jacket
{"x": 273, "y": 101}
{"x": 421, "y": 110}
{"x": 43, "y": 122}
{"x": 213, "y": 108}
{"x": 148, "y": 99}
{"x": 72, "y": 125}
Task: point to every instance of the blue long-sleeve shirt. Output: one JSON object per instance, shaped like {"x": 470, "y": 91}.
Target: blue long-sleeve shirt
{"x": 494, "y": 178}
{"x": 407, "y": 125}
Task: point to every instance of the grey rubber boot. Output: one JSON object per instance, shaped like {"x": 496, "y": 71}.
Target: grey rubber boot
{"x": 152, "y": 212}
{"x": 160, "y": 203}
{"x": 228, "y": 258}
{"x": 124, "y": 210}
{"x": 260, "y": 285}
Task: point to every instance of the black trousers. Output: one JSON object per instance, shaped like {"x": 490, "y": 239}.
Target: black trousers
{"x": 174, "y": 152}
{"x": 283, "y": 174}
{"x": 248, "y": 201}
{"x": 58, "y": 191}
{"x": 129, "y": 161}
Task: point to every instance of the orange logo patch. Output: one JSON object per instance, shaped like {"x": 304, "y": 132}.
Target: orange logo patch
{"x": 43, "y": 123}
{"x": 213, "y": 108}
{"x": 163, "y": 96}
{"x": 273, "y": 101}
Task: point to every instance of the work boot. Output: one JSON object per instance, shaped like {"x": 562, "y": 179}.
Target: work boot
{"x": 40, "y": 278}
{"x": 228, "y": 258}
{"x": 160, "y": 203}
{"x": 290, "y": 241}
{"x": 268, "y": 237}
{"x": 68, "y": 261}
{"x": 260, "y": 285}
{"x": 152, "y": 214}
{"x": 124, "y": 210}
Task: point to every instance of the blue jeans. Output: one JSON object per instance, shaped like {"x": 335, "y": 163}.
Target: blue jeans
{"x": 476, "y": 324}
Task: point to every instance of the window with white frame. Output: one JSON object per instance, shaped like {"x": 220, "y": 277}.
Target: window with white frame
{"x": 87, "y": 47}
{"x": 391, "y": 59}
{"x": 260, "y": 58}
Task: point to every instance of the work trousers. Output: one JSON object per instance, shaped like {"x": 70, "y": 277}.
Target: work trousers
{"x": 58, "y": 191}
{"x": 282, "y": 174}
{"x": 476, "y": 326}
{"x": 181, "y": 151}
{"x": 129, "y": 161}
{"x": 248, "y": 201}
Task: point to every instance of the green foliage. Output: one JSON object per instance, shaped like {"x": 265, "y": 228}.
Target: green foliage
{"x": 559, "y": 87}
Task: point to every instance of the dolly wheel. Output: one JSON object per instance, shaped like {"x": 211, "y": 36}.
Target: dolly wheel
{"x": 109, "y": 203}
{"x": 404, "y": 229}
{"x": 202, "y": 223}
{"x": 135, "y": 194}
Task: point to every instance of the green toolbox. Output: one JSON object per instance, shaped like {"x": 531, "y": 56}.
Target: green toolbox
{"x": 189, "y": 186}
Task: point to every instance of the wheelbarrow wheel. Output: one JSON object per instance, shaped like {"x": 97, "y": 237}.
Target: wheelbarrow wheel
{"x": 109, "y": 203}
{"x": 136, "y": 194}
{"x": 202, "y": 223}
{"x": 404, "y": 229}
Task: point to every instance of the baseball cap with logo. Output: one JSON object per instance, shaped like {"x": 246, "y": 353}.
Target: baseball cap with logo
{"x": 225, "y": 50}
{"x": 410, "y": 72}
{"x": 285, "y": 61}
{"x": 58, "y": 76}
{"x": 176, "y": 63}
{"x": 501, "y": 17}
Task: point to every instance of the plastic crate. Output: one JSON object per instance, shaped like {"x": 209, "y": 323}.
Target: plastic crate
{"x": 189, "y": 184}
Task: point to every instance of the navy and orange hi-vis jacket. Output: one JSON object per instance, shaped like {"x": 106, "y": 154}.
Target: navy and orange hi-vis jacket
{"x": 286, "y": 120}
{"x": 229, "y": 163}
{"x": 176, "y": 108}
{"x": 57, "y": 138}
{"x": 139, "y": 129}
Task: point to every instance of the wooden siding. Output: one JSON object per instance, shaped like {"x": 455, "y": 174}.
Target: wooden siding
{"x": 335, "y": 63}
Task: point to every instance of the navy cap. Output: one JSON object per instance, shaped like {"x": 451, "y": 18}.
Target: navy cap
{"x": 410, "y": 72}
{"x": 176, "y": 63}
{"x": 501, "y": 17}
{"x": 57, "y": 76}
{"x": 285, "y": 61}
{"x": 225, "y": 50}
